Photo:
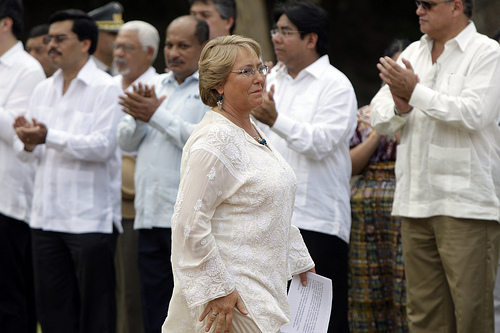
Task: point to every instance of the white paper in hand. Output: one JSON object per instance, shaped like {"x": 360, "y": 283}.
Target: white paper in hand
{"x": 310, "y": 306}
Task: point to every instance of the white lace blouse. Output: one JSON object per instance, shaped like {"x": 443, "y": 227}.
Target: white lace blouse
{"x": 231, "y": 227}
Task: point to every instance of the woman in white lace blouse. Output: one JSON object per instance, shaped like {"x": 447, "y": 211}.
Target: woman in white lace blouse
{"x": 233, "y": 246}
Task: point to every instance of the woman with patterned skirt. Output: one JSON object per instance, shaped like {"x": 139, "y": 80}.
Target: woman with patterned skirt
{"x": 376, "y": 275}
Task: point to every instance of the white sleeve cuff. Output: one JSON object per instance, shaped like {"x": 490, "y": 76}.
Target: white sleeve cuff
{"x": 283, "y": 125}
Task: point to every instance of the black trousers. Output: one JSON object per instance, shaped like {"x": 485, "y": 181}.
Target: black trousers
{"x": 75, "y": 281}
{"x": 17, "y": 295}
{"x": 155, "y": 272}
{"x": 330, "y": 254}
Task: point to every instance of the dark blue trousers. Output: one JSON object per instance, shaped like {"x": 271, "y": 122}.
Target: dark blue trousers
{"x": 17, "y": 295}
{"x": 75, "y": 281}
{"x": 155, "y": 273}
{"x": 330, "y": 254}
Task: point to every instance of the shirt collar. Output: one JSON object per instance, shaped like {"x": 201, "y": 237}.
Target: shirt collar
{"x": 85, "y": 74}
{"x": 315, "y": 69}
{"x": 170, "y": 78}
{"x": 466, "y": 36}
{"x": 462, "y": 39}
{"x": 149, "y": 72}
{"x": 8, "y": 57}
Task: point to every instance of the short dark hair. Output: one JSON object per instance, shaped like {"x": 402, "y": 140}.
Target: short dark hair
{"x": 396, "y": 46}
{"x": 496, "y": 35}
{"x": 39, "y": 30}
{"x": 468, "y": 7}
{"x": 202, "y": 31}
{"x": 83, "y": 25}
{"x": 226, "y": 9}
{"x": 14, "y": 10}
{"x": 307, "y": 17}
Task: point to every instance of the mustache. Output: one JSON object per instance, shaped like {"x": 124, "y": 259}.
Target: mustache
{"x": 121, "y": 61}
{"x": 54, "y": 50}
{"x": 175, "y": 61}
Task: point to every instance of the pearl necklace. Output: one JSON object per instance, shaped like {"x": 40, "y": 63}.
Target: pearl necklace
{"x": 260, "y": 140}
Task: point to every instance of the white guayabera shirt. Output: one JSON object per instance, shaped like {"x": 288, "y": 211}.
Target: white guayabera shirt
{"x": 78, "y": 176}
{"x": 231, "y": 227}
{"x": 19, "y": 74}
{"x": 448, "y": 161}
{"x": 159, "y": 146}
{"x": 316, "y": 120}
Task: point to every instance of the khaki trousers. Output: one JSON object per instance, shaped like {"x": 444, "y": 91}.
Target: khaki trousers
{"x": 451, "y": 266}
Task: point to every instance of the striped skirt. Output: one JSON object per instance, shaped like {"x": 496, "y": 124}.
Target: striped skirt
{"x": 377, "y": 294}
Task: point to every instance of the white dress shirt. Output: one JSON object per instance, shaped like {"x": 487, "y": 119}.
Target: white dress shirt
{"x": 159, "y": 146}
{"x": 448, "y": 162}
{"x": 316, "y": 120}
{"x": 19, "y": 74}
{"x": 144, "y": 78}
{"x": 78, "y": 178}
{"x": 232, "y": 228}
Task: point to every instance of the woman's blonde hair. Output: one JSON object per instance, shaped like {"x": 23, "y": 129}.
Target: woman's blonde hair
{"x": 216, "y": 62}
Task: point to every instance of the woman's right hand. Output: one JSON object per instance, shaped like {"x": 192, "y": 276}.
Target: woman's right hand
{"x": 222, "y": 309}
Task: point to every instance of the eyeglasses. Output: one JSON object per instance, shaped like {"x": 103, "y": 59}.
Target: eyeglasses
{"x": 283, "y": 32}
{"x": 57, "y": 38}
{"x": 429, "y": 4}
{"x": 127, "y": 47}
{"x": 262, "y": 69}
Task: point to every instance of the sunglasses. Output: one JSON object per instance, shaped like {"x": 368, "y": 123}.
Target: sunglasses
{"x": 429, "y": 4}
{"x": 57, "y": 38}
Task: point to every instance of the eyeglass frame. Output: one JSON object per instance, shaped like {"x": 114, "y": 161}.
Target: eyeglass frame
{"x": 127, "y": 47}
{"x": 427, "y": 5}
{"x": 57, "y": 38}
{"x": 287, "y": 31}
{"x": 251, "y": 71}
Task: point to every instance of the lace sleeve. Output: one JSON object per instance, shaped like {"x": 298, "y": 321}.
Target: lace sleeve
{"x": 200, "y": 271}
{"x": 300, "y": 259}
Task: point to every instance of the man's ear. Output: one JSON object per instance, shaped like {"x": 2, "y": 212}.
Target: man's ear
{"x": 312, "y": 40}
{"x": 151, "y": 51}
{"x": 458, "y": 7}
{"x": 229, "y": 23}
{"x": 6, "y": 24}
{"x": 85, "y": 45}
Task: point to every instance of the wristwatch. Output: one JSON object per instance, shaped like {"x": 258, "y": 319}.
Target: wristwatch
{"x": 397, "y": 113}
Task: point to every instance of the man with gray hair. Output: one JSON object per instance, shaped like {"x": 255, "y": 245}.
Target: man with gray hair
{"x": 134, "y": 50}
{"x": 220, "y": 15}
{"x": 442, "y": 94}
{"x": 161, "y": 116}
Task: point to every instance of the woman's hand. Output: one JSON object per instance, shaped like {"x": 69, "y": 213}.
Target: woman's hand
{"x": 222, "y": 309}
{"x": 303, "y": 276}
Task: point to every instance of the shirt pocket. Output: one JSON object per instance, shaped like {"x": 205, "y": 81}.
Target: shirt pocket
{"x": 75, "y": 190}
{"x": 401, "y": 160}
{"x": 303, "y": 108}
{"x": 82, "y": 122}
{"x": 455, "y": 83}
{"x": 449, "y": 168}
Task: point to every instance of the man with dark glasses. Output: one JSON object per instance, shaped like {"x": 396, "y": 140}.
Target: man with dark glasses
{"x": 443, "y": 96}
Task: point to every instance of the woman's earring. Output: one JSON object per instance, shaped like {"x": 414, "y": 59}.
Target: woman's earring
{"x": 220, "y": 103}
